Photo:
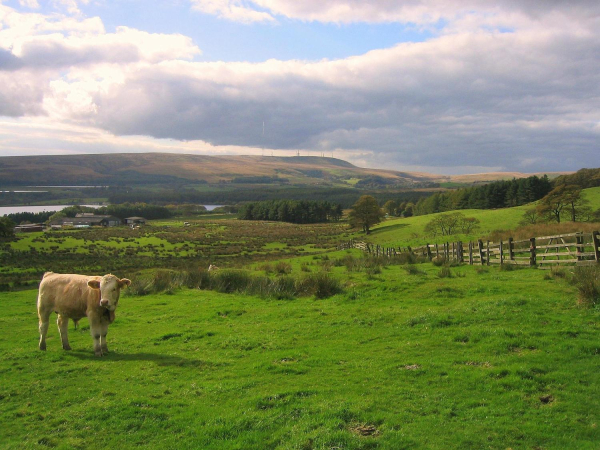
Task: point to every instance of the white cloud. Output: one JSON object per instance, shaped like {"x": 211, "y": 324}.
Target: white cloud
{"x": 472, "y": 97}
{"x": 50, "y": 64}
{"x": 234, "y": 10}
{"x": 421, "y": 12}
{"x": 33, "y": 4}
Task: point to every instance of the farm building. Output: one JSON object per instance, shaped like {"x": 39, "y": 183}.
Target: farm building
{"x": 135, "y": 221}
{"x": 30, "y": 227}
{"x": 85, "y": 221}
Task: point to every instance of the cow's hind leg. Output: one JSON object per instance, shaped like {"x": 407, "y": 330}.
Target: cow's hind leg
{"x": 63, "y": 328}
{"x": 44, "y": 321}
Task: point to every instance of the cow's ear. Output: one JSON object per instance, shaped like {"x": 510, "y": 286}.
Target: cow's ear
{"x": 123, "y": 282}
{"x": 94, "y": 284}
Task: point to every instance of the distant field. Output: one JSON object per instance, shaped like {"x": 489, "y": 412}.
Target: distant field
{"x": 488, "y": 359}
{"x": 169, "y": 244}
{"x": 410, "y": 231}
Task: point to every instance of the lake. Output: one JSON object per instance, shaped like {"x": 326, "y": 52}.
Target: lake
{"x": 4, "y": 210}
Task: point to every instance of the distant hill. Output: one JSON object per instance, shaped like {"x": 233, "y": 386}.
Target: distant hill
{"x": 169, "y": 169}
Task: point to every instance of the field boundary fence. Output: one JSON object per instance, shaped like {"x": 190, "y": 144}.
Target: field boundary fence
{"x": 542, "y": 251}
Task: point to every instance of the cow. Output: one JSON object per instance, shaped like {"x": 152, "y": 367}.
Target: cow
{"x": 74, "y": 296}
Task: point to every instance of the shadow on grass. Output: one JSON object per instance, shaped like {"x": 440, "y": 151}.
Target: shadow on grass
{"x": 161, "y": 360}
{"x": 389, "y": 228}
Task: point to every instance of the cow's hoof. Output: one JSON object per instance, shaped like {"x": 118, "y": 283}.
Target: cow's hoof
{"x": 43, "y": 347}
{"x": 66, "y": 347}
{"x": 98, "y": 353}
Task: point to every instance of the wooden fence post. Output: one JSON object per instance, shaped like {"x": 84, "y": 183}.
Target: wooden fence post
{"x": 532, "y": 255}
{"x": 511, "y": 249}
{"x": 481, "y": 258}
{"x": 488, "y": 253}
{"x": 501, "y": 252}
{"x": 461, "y": 259}
{"x": 596, "y": 241}
{"x": 579, "y": 250}
{"x": 470, "y": 253}
{"x": 429, "y": 256}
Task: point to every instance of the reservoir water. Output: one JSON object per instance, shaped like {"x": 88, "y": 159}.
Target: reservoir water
{"x": 36, "y": 209}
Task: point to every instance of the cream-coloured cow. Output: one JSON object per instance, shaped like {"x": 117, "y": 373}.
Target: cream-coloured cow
{"x": 75, "y": 296}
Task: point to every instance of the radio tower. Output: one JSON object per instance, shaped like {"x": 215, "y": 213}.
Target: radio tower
{"x": 263, "y": 139}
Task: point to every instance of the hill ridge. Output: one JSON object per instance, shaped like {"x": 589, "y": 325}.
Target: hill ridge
{"x": 182, "y": 168}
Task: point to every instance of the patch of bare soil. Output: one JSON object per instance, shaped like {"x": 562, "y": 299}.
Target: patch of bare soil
{"x": 365, "y": 430}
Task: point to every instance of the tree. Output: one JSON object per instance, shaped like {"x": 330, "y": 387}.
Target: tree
{"x": 576, "y": 204}
{"x": 447, "y": 224}
{"x": 7, "y": 227}
{"x": 469, "y": 224}
{"x": 530, "y": 217}
{"x": 337, "y": 212}
{"x": 365, "y": 213}
{"x": 559, "y": 198}
{"x": 390, "y": 207}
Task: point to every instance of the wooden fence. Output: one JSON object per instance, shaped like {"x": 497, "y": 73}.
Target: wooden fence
{"x": 544, "y": 251}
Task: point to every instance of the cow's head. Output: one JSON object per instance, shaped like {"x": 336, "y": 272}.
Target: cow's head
{"x": 110, "y": 289}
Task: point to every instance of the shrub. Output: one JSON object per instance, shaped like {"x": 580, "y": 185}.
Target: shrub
{"x": 558, "y": 272}
{"x": 507, "y": 267}
{"x": 283, "y": 268}
{"x": 319, "y": 284}
{"x": 371, "y": 271}
{"x": 197, "y": 279}
{"x": 445, "y": 272}
{"x": 268, "y": 268}
{"x": 405, "y": 258}
{"x": 587, "y": 281}
{"x": 162, "y": 280}
{"x": 326, "y": 266}
{"x": 414, "y": 270}
{"x": 229, "y": 281}
{"x": 282, "y": 288}
{"x": 438, "y": 261}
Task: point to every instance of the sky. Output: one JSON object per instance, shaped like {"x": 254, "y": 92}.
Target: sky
{"x": 439, "y": 86}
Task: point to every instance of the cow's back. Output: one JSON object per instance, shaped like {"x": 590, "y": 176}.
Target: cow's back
{"x": 67, "y": 294}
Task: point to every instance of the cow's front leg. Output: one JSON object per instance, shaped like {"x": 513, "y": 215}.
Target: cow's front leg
{"x": 63, "y": 328}
{"x": 103, "y": 333}
{"x": 96, "y": 330}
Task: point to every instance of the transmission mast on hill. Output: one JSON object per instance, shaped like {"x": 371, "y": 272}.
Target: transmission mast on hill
{"x": 263, "y": 139}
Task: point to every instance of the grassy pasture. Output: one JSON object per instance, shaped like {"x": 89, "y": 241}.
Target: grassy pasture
{"x": 483, "y": 359}
{"x": 226, "y": 242}
{"x": 410, "y": 231}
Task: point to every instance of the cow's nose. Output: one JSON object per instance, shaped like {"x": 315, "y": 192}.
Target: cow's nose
{"x": 103, "y": 302}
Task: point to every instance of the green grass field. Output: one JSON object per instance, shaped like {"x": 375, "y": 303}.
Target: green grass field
{"x": 404, "y": 357}
{"x": 410, "y": 231}
{"x": 485, "y": 359}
